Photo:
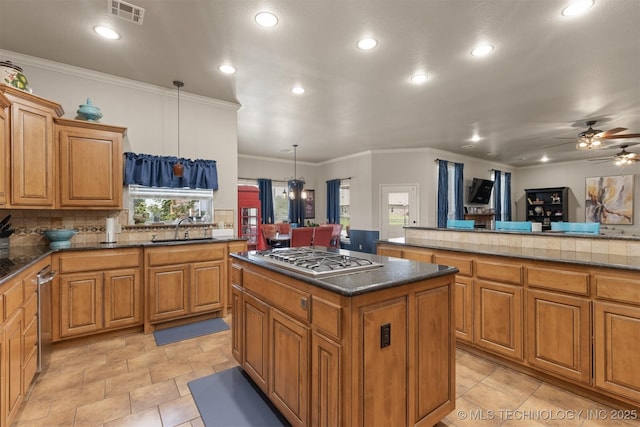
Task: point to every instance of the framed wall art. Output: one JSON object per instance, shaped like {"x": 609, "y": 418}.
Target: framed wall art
{"x": 310, "y": 204}
{"x": 609, "y": 199}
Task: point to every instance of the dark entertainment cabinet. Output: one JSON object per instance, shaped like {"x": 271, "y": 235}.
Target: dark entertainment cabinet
{"x": 547, "y": 205}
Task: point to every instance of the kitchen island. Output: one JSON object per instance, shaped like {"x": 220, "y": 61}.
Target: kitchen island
{"x": 370, "y": 346}
{"x": 565, "y": 309}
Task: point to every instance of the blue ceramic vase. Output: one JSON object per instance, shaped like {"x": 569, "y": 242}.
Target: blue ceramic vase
{"x": 89, "y": 111}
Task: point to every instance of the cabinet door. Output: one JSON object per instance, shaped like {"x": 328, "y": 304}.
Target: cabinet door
{"x": 3, "y": 378}
{"x": 255, "y": 344}
{"x": 498, "y": 318}
{"x": 205, "y": 286}
{"x": 81, "y": 304}
{"x": 326, "y": 393}
{"x": 122, "y": 298}
{"x": 558, "y": 334}
{"x": 616, "y": 332}
{"x": 289, "y": 368}
{"x": 168, "y": 292}
{"x": 32, "y": 156}
{"x": 4, "y": 151}
{"x": 90, "y": 168}
{"x": 464, "y": 308}
{"x": 13, "y": 365}
{"x": 236, "y": 324}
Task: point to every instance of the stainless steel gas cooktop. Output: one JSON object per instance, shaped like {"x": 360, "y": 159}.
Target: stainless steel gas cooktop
{"x": 314, "y": 262}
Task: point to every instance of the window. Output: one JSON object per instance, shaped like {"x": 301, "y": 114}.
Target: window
{"x": 159, "y": 206}
{"x": 345, "y": 219}
{"x": 503, "y": 196}
{"x": 280, "y": 202}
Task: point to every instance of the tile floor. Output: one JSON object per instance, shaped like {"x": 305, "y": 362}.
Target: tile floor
{"x": 129, "y": 381}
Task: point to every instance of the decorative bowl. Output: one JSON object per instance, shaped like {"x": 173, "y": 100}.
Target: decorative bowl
{"x": 89, "y": 111}
{"x": 12, "y": 75}
{"x": 59, "y": 238}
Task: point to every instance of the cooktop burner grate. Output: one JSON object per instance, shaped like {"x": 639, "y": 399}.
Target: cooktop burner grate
{"x": 315, "y": 262}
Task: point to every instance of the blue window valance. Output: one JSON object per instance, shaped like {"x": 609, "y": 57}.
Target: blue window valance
{"x": 157, "y": 171}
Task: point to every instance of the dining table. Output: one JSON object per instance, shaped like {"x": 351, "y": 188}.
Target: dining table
{"x": 279, "y": 240}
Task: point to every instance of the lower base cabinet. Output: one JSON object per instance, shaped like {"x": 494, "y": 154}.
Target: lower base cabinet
{"x": 319, "y": 358}
{"x": 13, "y": 364}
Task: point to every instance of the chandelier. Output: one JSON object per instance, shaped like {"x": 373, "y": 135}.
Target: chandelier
{"x": 296, "y": 184}
{"x": 590, "y": 139}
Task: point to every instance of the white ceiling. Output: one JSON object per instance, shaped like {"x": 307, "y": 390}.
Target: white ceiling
{"x": 547, "y": 75}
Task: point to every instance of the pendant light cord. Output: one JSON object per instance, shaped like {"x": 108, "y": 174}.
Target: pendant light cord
{"x": 178, "y": 84}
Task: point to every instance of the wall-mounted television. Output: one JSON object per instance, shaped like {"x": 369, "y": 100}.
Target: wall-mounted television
{"x": 480, "y": 191}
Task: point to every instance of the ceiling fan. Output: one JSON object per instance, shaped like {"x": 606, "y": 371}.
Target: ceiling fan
{"x": 592, "y": 139}
{"x": 623, "y": 157}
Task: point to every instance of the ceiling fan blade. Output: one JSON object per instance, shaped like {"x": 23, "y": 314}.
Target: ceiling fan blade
{"x": 611, "y": 132}
{"x": 625, "y": 136}
{"x": 562, "y": 143}
{"x": 570, "y": 137}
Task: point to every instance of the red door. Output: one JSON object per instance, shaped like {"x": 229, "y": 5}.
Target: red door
{"x": 249, "y": 217}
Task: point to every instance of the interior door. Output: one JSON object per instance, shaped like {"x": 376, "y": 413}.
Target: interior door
{"x": 399, "y": 209}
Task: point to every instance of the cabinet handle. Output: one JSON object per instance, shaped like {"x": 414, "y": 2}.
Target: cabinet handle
{"x": 303, "y": 303}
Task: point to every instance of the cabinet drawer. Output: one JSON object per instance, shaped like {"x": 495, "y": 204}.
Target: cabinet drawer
{"x": 617, "y": 289}
{"x": 290, "y": 300}
{"x": 185, "y": 254}
{"x": 423, "y": 256}
{"x": 13, "y": 300}
{"x": 30, "y": 308}
{"x": 327, "y": 317}
{"x": 500, "y": 272}
{"x": 559, "y": 280}
{"x": 98, "y": 260}
{"x": 236, "y": 275}
{"x": 464, "y": 265}
{"x": 29, "y": 371}
{"x": 30, "y": 337}
{"x": 1, "y": 308}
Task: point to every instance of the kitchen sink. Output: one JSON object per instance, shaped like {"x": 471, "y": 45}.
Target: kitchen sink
{"x": 193, "y": 239}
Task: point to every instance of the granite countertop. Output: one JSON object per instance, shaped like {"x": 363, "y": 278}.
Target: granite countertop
{"x": 605, "y": 234}
{"x": 394, "y": 272}
{"x": 626, "y": 262}
{"x": 23, "y": 256}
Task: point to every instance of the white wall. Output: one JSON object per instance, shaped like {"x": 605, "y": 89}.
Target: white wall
{"x": 208, "y": 127}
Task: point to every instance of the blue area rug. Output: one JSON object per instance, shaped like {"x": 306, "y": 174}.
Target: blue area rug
{"x": 192, "y": 330}
{"x": 230, "y": 399}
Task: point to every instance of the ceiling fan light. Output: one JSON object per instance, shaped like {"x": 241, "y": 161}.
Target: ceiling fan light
{"x": 577, "y": 7}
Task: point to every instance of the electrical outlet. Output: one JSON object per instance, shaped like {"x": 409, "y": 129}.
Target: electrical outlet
{"x": 385, "y": 335}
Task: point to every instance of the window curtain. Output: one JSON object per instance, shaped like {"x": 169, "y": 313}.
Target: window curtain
{"x": 507, "y": 196}
{"x": 157, "y": 171}
{"x": 497, "y": 194}
{"x": 333, "y": 201}
{"x": 443, "y": 191}
{"x": 459, "y": 189}
{"x": 296, "y": 206}
{"x": 266, "y": 200}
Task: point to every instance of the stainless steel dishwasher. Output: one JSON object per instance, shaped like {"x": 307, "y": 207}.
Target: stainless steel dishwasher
{"x": 43, "y": 280}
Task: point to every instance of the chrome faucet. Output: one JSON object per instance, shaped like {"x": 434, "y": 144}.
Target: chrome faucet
{"x": 186, "y": 218}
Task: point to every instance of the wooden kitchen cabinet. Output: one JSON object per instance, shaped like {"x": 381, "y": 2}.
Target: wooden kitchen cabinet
{"x": 89, "y": 149}
{"x": 13, "y": 365}
{"x": 183, "y": 281}
{"x": 32, "y": 149}
{"x": 559, "y": 335}
{"x": 255, "y": 340}
{"x": 237, "y": 246}
{"x": 5, "y": 138}
{"x": 96, "y": 291}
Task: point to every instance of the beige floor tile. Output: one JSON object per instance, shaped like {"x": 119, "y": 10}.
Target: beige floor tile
{"x": 548, "y": 413}
{"x": 513, "y": 382}
{"x": 34, "y": 409}
{"x": 469, "y": 414}
{"x": 106, "y": 371}
{"x": 106, "y": 345}
{"x": 127, "y": 352}
{"x": 106, "y": 410}
{"x": 78, "y": 396}
{"x": 167, "y": 370}
{"x": 148, "y": 418}
{"x": 178, "y": 411}
{"x": 127, "y": 381}
{"x": 146, "y": 360}
{"x": 197, "y": 422}
{"x": 500, "y": 399}
{"x": 183, "y": 380}
{"x": 63, "y": 418}
{"x": 152, "y": 395}
{"x": 208, "y": 359}
{"x": 85, "y": 361}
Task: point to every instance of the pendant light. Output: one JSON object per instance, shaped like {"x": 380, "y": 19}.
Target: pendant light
{"x": 178, "y": 168}
{"x": 296, "y": 182}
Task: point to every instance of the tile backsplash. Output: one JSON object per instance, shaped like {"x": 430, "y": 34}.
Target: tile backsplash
{"x": 30, "y": 224}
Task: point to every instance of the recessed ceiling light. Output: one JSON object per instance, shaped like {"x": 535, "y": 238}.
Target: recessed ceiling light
{"x": 419, "y": 78}
{"x": 227, "y": 69}
{"x": 298, "y": 90}
{"x": 367, "y": 43}
{"x": 482, "y": 50}
{"x": 266, "y": 19}
{"x": 107, "y": 33}
{"x": 475, "y": 138}
{"x": 544, "y": 159}
{"x": 577, "y": 7}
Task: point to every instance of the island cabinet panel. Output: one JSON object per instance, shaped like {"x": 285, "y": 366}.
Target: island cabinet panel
{"x": 558, "y": 279}
{"x": 498, "y": 318}
{"x": 500, "y": 272}
{"x": 392, "y": 251}
{"x": 237, "y": 325}
{"x": 232, "y": 247}
{"x": 255, "y": 340}
{"x": 89, "y": 150}
{"x": 616, "y": 349}
{"x": 384, "y": 366}
{"x": 326, "y": 385}
{"x": 621, "y": 288}
{"x": 463, "y": 264}
{"x": 463, "y": 292}
{"x": 289, "y": 367}
{"x": 558, "y": 334}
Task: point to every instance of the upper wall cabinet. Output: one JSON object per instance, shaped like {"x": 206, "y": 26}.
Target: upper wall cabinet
{"x": 31, "y": 149}
{"x": 4, "y": 149}
{"x": 90, "y": 164}
{"x": 56, "y": 163}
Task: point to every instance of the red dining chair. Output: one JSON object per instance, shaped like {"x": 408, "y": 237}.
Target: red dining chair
{"x": 335, "y": 235}
{"x": 283, "y": 227}
{"x": 268, "y": 232}
{"x": 301, "y": 237}
{"x": 322, "y": 236}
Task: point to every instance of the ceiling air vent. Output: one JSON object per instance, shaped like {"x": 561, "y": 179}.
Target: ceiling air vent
{"x": 126, "y": 11}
